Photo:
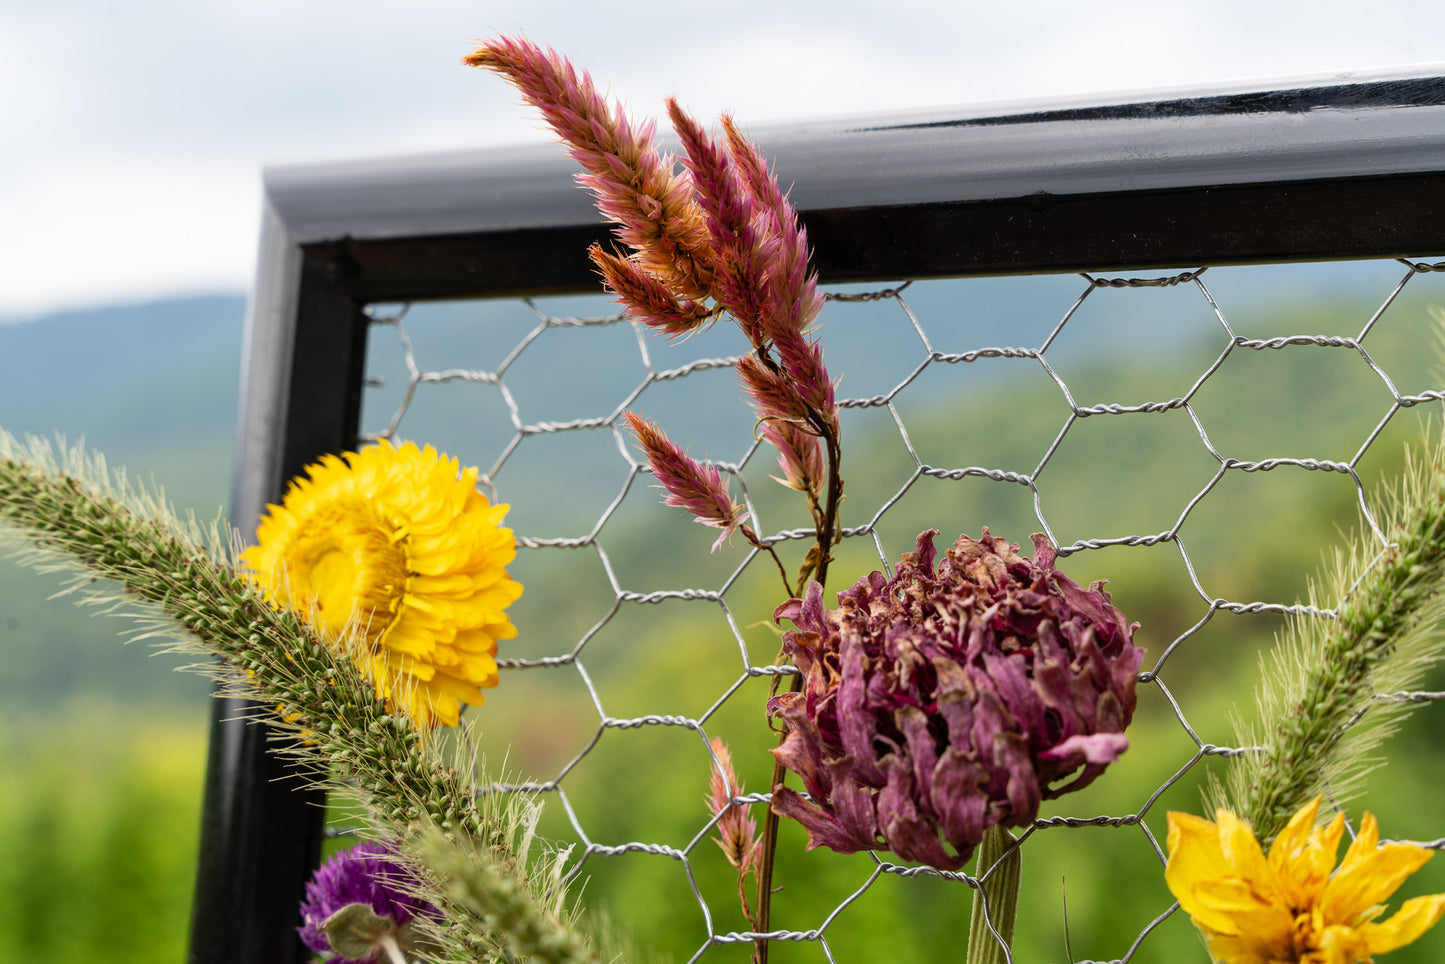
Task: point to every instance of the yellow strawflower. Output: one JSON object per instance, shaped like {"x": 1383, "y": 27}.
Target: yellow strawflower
{"x": 393, "y": 546}
{"x": 1294, "y": 907}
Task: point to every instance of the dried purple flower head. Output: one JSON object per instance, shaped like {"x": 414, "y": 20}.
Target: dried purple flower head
{"x": 360, "y": 904}
{"x": 945, "y": 701}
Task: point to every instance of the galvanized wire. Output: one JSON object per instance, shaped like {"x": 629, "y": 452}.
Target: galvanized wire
{"x": 867, "y": 521}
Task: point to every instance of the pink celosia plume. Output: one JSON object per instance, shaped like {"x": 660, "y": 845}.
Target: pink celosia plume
{"x": 635, "y": 185}
{"x": 717, "y": 236}
{"x": 737, "y": 830}
{"x": 797, "y": 301}
{"x": 773, "y": 394}
{"x": 800, "y": 456}
{"x": 689, "y": 484}
{"x": 740, "y": 231}
{"x": 801, "y": 360}
{"x": 646, "y": 298}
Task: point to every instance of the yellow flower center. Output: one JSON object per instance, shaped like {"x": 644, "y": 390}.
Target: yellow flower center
{"x": 350, "y": 563}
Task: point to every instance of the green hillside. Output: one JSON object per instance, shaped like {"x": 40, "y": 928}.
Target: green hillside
{"x": 154, "y": 388}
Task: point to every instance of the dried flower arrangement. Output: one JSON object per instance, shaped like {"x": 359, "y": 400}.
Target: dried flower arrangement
{"x": 928, "y": 712}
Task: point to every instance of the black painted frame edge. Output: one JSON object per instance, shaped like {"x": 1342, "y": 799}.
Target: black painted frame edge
{"x": 262, "y": 824}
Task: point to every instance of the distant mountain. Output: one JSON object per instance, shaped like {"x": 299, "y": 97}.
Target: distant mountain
{"x": 140, "y": 383}
{"x": 155, "y": 387}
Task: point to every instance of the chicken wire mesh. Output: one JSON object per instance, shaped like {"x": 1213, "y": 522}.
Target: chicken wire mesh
{"x": 1198, "y": 438}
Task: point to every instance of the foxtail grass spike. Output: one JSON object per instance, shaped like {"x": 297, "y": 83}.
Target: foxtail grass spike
{"x": 69, "y": 512}
{"x": 1319, "y": 720}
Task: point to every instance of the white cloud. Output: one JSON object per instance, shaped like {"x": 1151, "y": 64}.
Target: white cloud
{"x": 89, "y": 231}
{"x": 133, "y": 129}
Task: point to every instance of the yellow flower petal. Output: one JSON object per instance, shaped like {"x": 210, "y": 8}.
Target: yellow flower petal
{"x": 1288, "y": 908}
{"x": 396, "y": 542}
{"x": 1200, "y": 871}
{"x": 1370, "y": 874}
{"x": 1230, "y": 949}
{"x": 1302, "y": 857}
{"x": 1242, "y": 852}
{"x": 1337, "y": 944}
{"x": 1414, "y": 918}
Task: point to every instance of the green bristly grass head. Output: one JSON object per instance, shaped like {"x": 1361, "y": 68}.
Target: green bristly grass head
{"x": 178, "y": 582}
{"x": 1323, "y": 704}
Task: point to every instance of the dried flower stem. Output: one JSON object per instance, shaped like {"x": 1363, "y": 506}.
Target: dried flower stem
{"x": 723, "y": 231}
{"x": 1327, "y": 671}
{"x": 79, "y": 513}
{"x": 767, "y": 851}
{"x": 815, "y": 566}
{"x": 828, "y": 526}
{"x": 996, "y": 901}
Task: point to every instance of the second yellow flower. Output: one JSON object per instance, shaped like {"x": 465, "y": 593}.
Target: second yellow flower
{"x": 1294, "y": 907}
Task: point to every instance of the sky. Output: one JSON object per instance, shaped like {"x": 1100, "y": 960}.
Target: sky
{"x": 135, "y": 133}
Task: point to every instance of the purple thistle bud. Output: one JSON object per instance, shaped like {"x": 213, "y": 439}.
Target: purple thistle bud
{"x": 945, "y": 701}
{"x": 367, "y": 874}
{"x": 689, "y": 484}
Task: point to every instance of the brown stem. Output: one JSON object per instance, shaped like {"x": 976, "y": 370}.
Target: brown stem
{"x": 826, "y": 530}
{"x": 757, "y": 543}
{"x": 769, "y": 845}
{"x": 743, "y": 895}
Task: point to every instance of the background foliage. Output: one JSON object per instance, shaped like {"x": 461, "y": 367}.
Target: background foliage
{"x": 101, "y": 748}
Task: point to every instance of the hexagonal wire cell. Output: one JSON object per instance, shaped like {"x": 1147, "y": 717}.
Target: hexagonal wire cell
{"x": 1135, "y": 434}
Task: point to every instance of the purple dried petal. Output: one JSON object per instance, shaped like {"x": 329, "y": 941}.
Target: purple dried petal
{"x": 1093, "y": 748}
{"x": 854, "y": 721}
{"x": 955, "y": 696}
{"x": 909, "y": 833}
{"x": 800, "y": 751}
{"x": 853, "y": 805}
{"x": 793, "y": 609}
{"x": 1012, "y": 756}
{"x": 959, "y": 785}
{"x": 922, "y": 749}
{"x": 824, "y": 830}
